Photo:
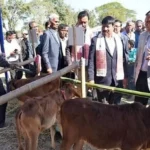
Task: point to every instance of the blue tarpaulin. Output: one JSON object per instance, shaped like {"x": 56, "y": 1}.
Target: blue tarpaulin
{"x": 1, "y": 32}
{"x": 2, "y": 42}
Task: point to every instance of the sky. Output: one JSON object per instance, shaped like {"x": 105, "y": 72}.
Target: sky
{"x": 140, "y": 6}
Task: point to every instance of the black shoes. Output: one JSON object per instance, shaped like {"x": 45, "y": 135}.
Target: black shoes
{"x": 2, "y": 125}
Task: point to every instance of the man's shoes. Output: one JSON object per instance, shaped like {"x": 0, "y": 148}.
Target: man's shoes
{"x": 89, "y": 93}
{"x": 3, "y": 125}
{"x": 104, "y": 101}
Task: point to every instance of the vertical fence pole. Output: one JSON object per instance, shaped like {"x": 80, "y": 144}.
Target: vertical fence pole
{"x": 83, "y": 84}
{"x": 75, "y": 47}
{"x": 75, "y": 42}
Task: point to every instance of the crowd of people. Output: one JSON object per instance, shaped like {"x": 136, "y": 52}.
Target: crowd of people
{"x": 116, "y": 56}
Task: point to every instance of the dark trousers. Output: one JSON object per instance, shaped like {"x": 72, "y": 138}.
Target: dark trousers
{"x": 118, "y": 96}
{"x": 142, "y": 85}
{"x": 2, "y": 107}
{"x": 109, "y": 96}
{"x": 131, "y": 83}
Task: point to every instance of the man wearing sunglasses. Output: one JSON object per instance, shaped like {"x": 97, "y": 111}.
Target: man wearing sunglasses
{"x": 51, "y": 47}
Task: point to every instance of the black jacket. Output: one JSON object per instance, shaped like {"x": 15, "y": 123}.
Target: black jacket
{"x": 3, "y": 62}
{"x": 111, "y": 63}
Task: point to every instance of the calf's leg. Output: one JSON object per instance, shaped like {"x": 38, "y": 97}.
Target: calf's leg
{"x": 60, "y": 129}
{"x": 52, "y": 133}
{"x": 18, "y": 129}
{"x": 128, "y": 148}
{"x": 33, "y": 140}
{"x": 78, "y": 145}
{"x": 32, "y": 129}
{"x": 27, "y": 143}
{"x": 66, "y": 145}
{"x": 70, "y": 137}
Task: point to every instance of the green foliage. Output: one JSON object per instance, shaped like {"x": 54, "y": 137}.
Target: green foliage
{"x": 66, "y": 13}
{"x": 13, "y": 11}
{"x": 93, "y": 20}
{"x": 39, "y": 10}
{"x": 116, "y": 10}
{"x": 1, "y": 2}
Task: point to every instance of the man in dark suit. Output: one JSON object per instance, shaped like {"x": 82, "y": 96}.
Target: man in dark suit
{"x": 106, "y": 60}
{"x": 63, "y": 31}
{"x": 52, "y": 49}
{"x": 3, "y": 63}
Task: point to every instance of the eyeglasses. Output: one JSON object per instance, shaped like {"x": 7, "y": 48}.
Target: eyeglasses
{"x": 83, "y": 22}
{"x": 63, "y": 30}
{"x": 56, "y": 21}
{"x": 35, "y": 27}
{"x": 117, "y": 26}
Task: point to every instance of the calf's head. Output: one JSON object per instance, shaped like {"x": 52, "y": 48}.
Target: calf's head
{"x": 12, "y": 84}
{"x": 70, "y": 91}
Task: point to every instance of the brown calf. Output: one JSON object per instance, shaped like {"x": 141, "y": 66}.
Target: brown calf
{"x": 39, "y": 114}
{"x": 104, "y": 126}
{"x": 40, "y": 91}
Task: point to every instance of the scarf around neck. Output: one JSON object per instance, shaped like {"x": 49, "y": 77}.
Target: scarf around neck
{"x": 101, "y": 60}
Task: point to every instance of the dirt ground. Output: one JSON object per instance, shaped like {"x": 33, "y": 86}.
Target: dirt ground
{"x": 8, "y": 138}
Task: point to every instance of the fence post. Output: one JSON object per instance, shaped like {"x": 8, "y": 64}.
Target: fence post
{"x": 83, "y": 84}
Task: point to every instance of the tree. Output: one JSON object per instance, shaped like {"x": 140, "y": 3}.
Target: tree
{"x": 1, "y": 2}
{"x": 116, "y": 10}
{"x": 14, "y": 11}
{"x": 66, "y": 13}
{"x": 40, "y": 10}
{"x": 93, "y": 19}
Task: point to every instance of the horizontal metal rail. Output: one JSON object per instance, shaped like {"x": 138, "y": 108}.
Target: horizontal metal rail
{"x": 110, "y": 88}
{"x": 19, "y": 64}
{"x": 35, "y": 84}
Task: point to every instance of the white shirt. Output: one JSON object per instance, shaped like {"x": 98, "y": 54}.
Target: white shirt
{"x": 64, "y": 45}
{"x": 11, "y": 46}
{"x": 111, "y": 44}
